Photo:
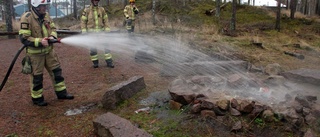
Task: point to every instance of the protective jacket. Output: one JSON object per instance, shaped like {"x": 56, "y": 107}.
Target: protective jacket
{"x": 129, "y": 12}
{"x": 33, "y": 28}
{"x": 94, "y": 19}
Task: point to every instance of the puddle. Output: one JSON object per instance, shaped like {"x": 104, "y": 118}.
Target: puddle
{"x": 80, "y": 110}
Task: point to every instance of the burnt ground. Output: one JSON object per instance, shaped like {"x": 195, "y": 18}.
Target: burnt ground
{"x": 18, "y": 116}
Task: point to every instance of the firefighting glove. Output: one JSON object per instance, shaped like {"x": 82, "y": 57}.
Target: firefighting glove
{"x": 26, "y": 65}
{"x": 44, "y": 42}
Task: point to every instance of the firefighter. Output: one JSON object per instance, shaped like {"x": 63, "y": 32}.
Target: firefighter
{"x": 94, "y": 19}
{"x": 36, "y": 27}
{"x": 129, "y": 12}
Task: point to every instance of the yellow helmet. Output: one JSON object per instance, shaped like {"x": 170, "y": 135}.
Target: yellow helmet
{"x": 132, "y": 1}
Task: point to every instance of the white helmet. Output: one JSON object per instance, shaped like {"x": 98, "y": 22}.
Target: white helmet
{"x": 36, "y": 3}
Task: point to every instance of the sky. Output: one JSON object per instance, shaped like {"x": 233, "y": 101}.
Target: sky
{"x": 261, "y": 2}
{"x": 265, "y": 2}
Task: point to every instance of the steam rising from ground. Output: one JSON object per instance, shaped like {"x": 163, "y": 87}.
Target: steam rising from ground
{"x": 175, "y": 56}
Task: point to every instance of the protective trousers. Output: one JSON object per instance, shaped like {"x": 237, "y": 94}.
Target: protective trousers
{"x": 50, "y": 62}
{"x": 94, "y": 54}
{"x": 130, "y": 25}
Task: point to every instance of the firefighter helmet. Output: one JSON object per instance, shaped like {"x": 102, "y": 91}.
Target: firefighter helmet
{"x": 36, "y": 3}
{"x": 132, "y": 1}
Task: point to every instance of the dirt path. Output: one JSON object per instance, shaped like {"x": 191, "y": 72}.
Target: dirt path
{"x": 18, "y": 116}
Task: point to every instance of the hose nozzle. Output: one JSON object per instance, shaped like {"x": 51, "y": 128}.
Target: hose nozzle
{"x": 58, "y": 40}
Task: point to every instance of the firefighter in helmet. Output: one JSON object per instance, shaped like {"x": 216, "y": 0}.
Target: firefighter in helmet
{"x": 129, "y": 12}
{"x": 36, "y": 27}
{"x": 94, "y": 19}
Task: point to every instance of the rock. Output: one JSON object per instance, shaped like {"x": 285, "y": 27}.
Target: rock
{"x": 275, "y": 80}
{"x": 223, "y": 104}
{"x": 196, "y": 108}
{"x": 207, "y": 104}
{"x": 309, "y": 133}
{"x": 111, "y": 125}
{"x": 208, "y": 114}
{"x": 175, "y": 105}
{"x": 237, "y": 126}
{"x": 302, "y": 100}
{"x": 218, "y": 112}
{"x": 234, "y": 112}
{"x": 310, "y": 120}
{"x": 122, "y": 91}
{"x": 273, "y": 69}
{"x": 268, "y": 115}
{"x": 303, "y": 75}
{"x": 235, "y": 81}
{"x": 234, "y": 103}
{"x": 246, "y": 106}
{"x": 144, "y": 56}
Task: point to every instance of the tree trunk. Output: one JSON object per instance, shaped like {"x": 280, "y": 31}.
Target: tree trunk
{"x": 125, "y": 2}
{"x": 107, "y": 2}
{"x": 305, "y": 7}
{"x": 293, "y": 8}
{"x": 154, "y": 12}
{"x": 278, "y": 16}
{"x": 218, "y": 8}
{"x": 56, "y": 8}
{"x": 75, "y": 10}
{"x": 13, "y": 13}
{"x": 318, "y": 8}
{"x": 8, "y": 17}
{"x": 29, "y": 4}
{"x": 233, "y": 19}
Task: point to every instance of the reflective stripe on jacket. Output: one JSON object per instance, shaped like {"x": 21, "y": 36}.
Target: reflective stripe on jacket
{"x": 94, "y": 19}
{"x": 33, "y": 30}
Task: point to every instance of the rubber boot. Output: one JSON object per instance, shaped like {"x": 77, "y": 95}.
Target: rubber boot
{"x": 110, "y": 63}
{"x": 64, "y": 95}
{"x": 39, "y": 101}
{"x": 95, "y": 63}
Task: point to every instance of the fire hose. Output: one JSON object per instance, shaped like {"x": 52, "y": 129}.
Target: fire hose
{"x": 15, "y": 59}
